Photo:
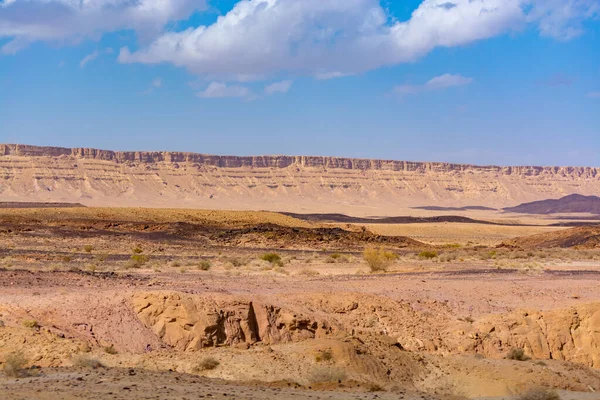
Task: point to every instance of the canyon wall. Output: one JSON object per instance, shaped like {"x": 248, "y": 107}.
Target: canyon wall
{"x": 285, "y": 183}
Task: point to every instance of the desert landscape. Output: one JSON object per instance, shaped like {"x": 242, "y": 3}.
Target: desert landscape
{"x": 476, "y": 283}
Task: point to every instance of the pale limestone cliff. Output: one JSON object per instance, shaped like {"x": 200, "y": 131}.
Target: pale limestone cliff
{"x": 291, "y": 183}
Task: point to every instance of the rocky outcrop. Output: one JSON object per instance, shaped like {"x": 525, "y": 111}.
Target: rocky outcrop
{"x": 189, "y": 323}
{"x": 282, "y": 183}
{"x": 571, "y": 334}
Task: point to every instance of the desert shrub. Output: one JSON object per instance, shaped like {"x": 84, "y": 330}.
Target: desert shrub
{"x": 379, "y": 259}
{"x": 204, "y": 265}
{"x": 67, "y": 259}
{"x": 374, "y": 387}
{"x": 517, "y": 354}
{"x": 335, "y": 256}
{"x": 237, "y": 262}
{"x": 31, "y": 323}
{"x": 207, "y": 364}
{"x": 325, "y": 355}
{"x": 428, "y": 254}
{"x": 137, "y": 261}
{"x": 88, "y": 248}
{"x": 327, "y": 374}
{"x": 14, "y": 365}
{"x": 539, "y": 394}
{"x": 137, "y": 250}
{"x": 308, "y": 272}
{"x": 87, "y": 362}
{"x": 110, "y": 349}
{"x": 272, "y": 258}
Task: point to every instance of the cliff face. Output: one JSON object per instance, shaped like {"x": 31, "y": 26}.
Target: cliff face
{"x": 292, "y": 183}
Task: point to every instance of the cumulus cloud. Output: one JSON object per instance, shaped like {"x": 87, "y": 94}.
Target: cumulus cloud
{"x": 28, "y": 21}
{"x": 260, "y": 38}
{"x": 438, "y": 83}
{"x": 335, "y": 38}
{"x": 278, "y": 87}
{"x": 217, "y": 90}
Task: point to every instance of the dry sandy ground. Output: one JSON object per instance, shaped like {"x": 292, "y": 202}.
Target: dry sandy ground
{"x": 460, "y": 233}
{"x": 316, "y": 325}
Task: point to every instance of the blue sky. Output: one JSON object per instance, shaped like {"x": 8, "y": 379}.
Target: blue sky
{"x": 486, "y": 81}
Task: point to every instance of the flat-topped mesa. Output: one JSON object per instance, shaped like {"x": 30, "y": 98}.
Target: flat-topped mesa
{"x": 280, "y": 161}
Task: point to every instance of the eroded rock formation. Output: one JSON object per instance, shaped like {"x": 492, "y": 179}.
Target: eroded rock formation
{"x": 291, "y": 183}
{"x": 188, "y": 322}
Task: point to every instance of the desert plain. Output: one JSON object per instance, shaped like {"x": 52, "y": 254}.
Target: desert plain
{"x": 138, "y": 302}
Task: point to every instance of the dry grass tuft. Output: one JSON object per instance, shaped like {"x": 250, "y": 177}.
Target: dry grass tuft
{"x": 207, "y": 364}
{"x": 87, "y": 362}
{"x": 31, "y": 323}
{"x": 327, "y": 374}
{"x": 517, "y": 354}
{"x": 379, "y": 260}
{"x": 539, "y": 393}
{"x": 14, "y": 365}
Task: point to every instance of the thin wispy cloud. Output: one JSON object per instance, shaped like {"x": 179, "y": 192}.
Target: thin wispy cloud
{"x": 94, "y": 55}
{"x": 278, "y": 87}
{"x": 217, "y": 90}
{"x": 438, "y": 83}
{"x": 89, "y": 58}
{"x": 555, "y": 80}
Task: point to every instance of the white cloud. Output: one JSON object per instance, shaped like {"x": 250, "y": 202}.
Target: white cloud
{"x": 331, "y": 75}
{"x": 438, "y": 83}
{"x": 278, "y": 87}
{"x": 94, "y": 55}
{"x": 336, "y": 38}
{"x": 260, "y": 38}
{"x": 89, "y": 58}
{"x": 217, "y": 90}
{"x": 28, "y": 21}
{"x": 562, "y": 19}
{"x": 594, "y": 95}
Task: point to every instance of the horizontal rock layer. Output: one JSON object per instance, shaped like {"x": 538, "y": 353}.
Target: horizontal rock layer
{"x": 291, "y": 183}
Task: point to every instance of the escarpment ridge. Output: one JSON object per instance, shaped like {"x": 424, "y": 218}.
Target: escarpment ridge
{"x": 283, "y": 183}
{"x": 281, "y": 161}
